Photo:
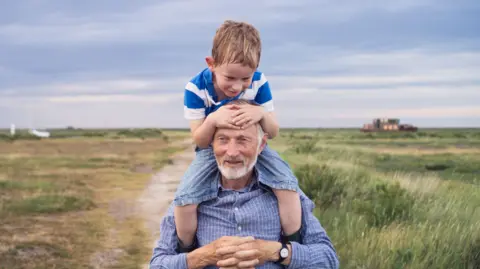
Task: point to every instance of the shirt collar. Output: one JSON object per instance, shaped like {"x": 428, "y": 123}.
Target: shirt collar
{"x": 254, "y": 183}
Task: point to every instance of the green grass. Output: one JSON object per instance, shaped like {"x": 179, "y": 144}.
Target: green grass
{"x": 416, "y": 208}
{"x": 387, "y": 200}
{"x": 49, "y": 203}
{"x": 9, "y": 185}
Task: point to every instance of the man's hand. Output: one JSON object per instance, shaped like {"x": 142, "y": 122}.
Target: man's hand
{"x": 247, "y": 115}
{"x": 249, "y": 254}
{"x": 212, "y": 253}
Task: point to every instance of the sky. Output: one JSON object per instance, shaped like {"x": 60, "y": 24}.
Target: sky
{"x": 122, "y": 63}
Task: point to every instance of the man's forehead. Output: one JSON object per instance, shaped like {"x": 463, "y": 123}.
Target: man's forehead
{"x": 249, "y": 132}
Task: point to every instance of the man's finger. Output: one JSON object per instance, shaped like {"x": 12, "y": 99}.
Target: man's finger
{"x": 245, "y": 239}
{"x": 228, "y": 262}
{"x": 236, "y": 241}
{"x": 249, "y": 254}
{"x": 226, "y": 250}
{"x": 248, "y": 264}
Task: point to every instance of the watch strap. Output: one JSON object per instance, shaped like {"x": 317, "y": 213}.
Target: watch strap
{"x": 281, "y": 259}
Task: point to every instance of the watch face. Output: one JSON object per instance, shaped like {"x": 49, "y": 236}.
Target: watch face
{"x": 284, "y": 252}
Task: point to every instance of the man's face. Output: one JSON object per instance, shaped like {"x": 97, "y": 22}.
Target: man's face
{"x": 231, "y": 79}
{"x": 236, "y": 151}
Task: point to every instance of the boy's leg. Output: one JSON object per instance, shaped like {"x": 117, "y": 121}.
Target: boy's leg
{"x": 278, "y": 175}
{"x": 186, "y": 224}
{"x": 198, "y": 184}
{"x": 290, "y": 211}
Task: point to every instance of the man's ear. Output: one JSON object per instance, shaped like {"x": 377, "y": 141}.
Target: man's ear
{"x": 210, "y": 62}
{"x": 264, "y": 142}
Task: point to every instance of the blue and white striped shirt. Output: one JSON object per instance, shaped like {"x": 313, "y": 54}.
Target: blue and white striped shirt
{"x": 200, "y": 98}
{"x": 252, "y": 211}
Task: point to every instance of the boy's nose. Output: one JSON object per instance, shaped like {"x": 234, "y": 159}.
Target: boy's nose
{"x": 237, "y": 87}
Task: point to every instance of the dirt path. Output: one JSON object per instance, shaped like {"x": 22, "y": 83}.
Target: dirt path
{"x": 159, "y": 192}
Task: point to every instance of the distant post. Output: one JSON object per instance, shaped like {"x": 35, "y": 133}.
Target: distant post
{"x": 12, "y": 129}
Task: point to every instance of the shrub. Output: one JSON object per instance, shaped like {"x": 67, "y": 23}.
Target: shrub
{"x": 140, "y": 133}
{"x": 305, "y": 147}
{"x": 321, "y": 184}
{"x": 385, "y": 203}
{"x": 95, "y": 134}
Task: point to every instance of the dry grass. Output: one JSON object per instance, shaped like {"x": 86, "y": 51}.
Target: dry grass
{"x": 69, "y": 203}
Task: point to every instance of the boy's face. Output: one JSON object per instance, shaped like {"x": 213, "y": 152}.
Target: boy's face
{"x": 231, "y": 79}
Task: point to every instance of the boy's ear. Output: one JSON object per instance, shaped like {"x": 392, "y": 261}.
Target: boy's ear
{"x": 210, "y": 62}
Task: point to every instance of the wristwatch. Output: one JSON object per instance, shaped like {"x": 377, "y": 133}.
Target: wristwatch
{"x": 283, "y": 253}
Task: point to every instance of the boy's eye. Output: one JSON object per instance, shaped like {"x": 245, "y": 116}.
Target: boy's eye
{"x": 230, "y": 78}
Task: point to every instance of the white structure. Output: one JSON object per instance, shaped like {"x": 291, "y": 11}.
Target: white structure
{"x": 12, "y": 129}
{"x": 39, "y": 133}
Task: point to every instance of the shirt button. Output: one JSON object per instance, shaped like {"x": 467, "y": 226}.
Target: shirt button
{"x": 239, "y": 228}
{"x": 236, "y": 208}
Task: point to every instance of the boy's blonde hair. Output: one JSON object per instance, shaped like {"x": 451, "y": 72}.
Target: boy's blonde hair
{"x": 237, "y": 42}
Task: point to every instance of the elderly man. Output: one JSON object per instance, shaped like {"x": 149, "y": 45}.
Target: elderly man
{"x": 241, "y": 227}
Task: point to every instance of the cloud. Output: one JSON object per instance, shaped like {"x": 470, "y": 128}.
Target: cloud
{"x": 118, "y": 98}
{"x": 124, "y": 63}
{"x": 149, "y": 20}
{"x": 136, "y": 86}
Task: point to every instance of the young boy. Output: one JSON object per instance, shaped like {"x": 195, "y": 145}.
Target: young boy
{"x": 231, "y": 75}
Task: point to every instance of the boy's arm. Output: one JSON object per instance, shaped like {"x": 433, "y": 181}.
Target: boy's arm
{"x": 201, "y": 127}
{"x": 202, "y": 131}
{"x": 264, "y": 98}
{"x": 269, "y": 124}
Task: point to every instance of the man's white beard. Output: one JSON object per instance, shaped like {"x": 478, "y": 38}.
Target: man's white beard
{"x": 236, "y": 173}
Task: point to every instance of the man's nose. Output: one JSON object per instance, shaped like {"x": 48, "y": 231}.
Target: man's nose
{"x": 232, "y": 149}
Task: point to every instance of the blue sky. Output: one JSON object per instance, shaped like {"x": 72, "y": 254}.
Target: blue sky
{"x": 330, "y": 63}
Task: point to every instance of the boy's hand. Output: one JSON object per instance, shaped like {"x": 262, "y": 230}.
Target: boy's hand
{"x": 246, "y": 115}
{"x": 223, "y": 117}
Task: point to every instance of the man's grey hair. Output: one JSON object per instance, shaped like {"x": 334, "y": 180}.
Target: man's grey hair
{"x": 260, "y": 133}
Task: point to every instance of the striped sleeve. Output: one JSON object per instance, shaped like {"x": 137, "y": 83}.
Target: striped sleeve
{"x": 264, "y": 95}
{"x": 193, "y": 103}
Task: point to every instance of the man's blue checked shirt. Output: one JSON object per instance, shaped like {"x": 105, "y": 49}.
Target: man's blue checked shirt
{"x": 252, "y": 211}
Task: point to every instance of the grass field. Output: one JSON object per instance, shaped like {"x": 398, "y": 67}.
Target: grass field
{"x": 69, "y": 202}
{"x": 405, "y": 200}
